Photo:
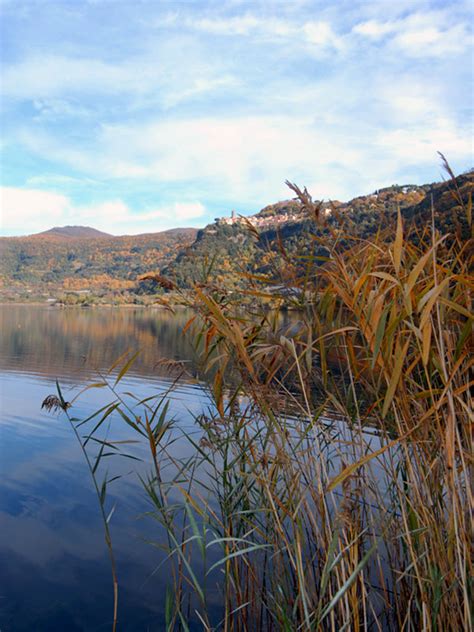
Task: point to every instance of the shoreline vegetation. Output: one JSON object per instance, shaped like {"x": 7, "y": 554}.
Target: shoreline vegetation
{"x": 329, "y": 485}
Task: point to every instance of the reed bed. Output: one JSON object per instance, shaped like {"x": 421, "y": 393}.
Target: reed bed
{"x": 328, "y": 486}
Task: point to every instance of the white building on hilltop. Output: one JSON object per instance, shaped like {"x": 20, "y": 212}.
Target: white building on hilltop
{"x": 233, "y": 219}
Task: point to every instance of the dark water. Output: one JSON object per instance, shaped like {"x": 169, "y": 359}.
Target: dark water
{"x": 54, "y": 569}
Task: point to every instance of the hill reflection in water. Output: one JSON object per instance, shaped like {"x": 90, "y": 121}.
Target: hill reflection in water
{"x": 71, "y": 344}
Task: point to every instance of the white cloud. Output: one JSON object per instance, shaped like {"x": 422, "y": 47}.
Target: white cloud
{"x": 419, "y": 145}
{"x": 316, "y": 32}
{"x": 183, "y": 210}
{"x": 56, "y": 180}
{"x": 410, "y": 105}
{"x": 60, "y": 85}
{"x": 27, "y": 211}
{"x": 431, "y": 41}
{"x": 412, "y": 101}
{"x": 374, "y": 29}
{"x": 50, "y": 76}
{"x": 116, "y": 217}
{"x": 109, "y": 213}
{"x": 321, "y": 34}
{"x": 53, "y": 109}
{"x": 197, "y": 87}
{"x": 172, "y": 214}
{"x": 238, "y": 25}
{"x": 248, "y": 159}
{"x": 427, "y": 34}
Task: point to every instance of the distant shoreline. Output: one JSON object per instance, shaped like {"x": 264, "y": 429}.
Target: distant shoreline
{"x": 94, "y": 306}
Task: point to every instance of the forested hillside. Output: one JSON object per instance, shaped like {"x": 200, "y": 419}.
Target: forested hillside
{"x": 71, "y": 232}
{"x": 229, "y": 249}
{"x": 52, "y": 262}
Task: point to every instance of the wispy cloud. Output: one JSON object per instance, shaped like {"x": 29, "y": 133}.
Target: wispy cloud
{"x": 317, "y": 32}
{"x": 429, "y": 34}
{"x": 209, "y": 105}
{"x": 249, "y": 158}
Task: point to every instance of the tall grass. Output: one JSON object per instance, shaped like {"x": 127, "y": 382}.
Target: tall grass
{"x": 329, "y": 485}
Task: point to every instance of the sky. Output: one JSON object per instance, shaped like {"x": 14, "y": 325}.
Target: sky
{"x": 139, "y": 116}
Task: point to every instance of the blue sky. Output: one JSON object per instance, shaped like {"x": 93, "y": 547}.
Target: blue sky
{"x": 137, "y": 116}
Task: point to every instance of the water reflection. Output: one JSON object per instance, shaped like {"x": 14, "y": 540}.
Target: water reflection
{"x": 54, "y": 569}
{"x": 57, "y": 342}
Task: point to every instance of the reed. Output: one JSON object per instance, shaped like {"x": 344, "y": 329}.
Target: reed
{"x": 329, "y": 484}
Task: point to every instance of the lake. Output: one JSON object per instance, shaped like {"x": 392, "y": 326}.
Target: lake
{"x": 54, "y": 566}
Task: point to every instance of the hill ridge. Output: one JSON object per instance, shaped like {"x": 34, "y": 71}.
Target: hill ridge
{"x": 72, "y": 232}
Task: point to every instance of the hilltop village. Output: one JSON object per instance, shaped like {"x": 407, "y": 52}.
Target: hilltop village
{"x": 291, "y": 210}
{"x": 288, "y": 213}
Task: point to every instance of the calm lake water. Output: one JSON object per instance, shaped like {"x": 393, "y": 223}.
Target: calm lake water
{"x": 54, "y": 568}
{"x": 54, "y": 565}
